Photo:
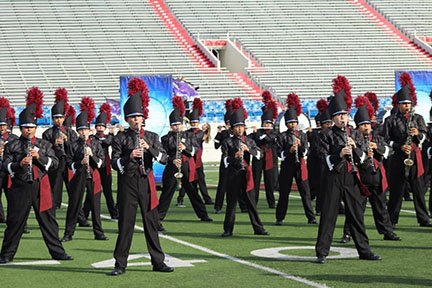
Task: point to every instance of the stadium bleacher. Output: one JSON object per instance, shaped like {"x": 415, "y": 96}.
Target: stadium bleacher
{"x": 303, "y": 44}
{"x": 85, "y": 45}
{"x": 412, "y": 17}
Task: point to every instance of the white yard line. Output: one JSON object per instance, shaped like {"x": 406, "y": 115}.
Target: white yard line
{"x": 234, "y": 259}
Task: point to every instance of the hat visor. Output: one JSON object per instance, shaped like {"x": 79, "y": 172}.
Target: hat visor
{"x": 82, "y": 127}
{"x": 28, "y": 125}
{"x": 339, "y": 112}
{"x": 134, "y": 114}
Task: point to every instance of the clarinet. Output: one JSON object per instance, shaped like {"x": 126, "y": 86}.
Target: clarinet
{"x": 85, "y": 153}
{"x": 240, "y": 148}
{"x": 138, "y": 146}
{"x": 370, "y": 160}
{"x": 350, "y": 157}
{"x": 30, "y": 166}
{"x": 178, "y": 175}
{"x": 297, "y": 160}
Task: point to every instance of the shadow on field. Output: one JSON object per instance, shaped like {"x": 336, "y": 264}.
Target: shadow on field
{"x": 54, "y": 268}
{"x": 374, "y": 279}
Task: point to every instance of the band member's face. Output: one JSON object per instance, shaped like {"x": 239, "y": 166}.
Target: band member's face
{"x": 365, "y": 128}
{"x": 292, "y": 126}
{"x": 238, "y": 130}
{"x": 205, "y": 127}
{"x": 100, "y": 128}
{"x": 404, "y": 107}
{"x": 194, "y": 124}
{"x": 267, "y": 125}
{"x": 84, "y": 133}
{"x": 58, "y": 121}
{"x": 326, "y": 125}
{"x": 135, "y": 122}
{"x": 28, "y": 132}
{"x": 176, "y": 127}
{"x": 3, "y": 129}
{"x": 340, "y": 120}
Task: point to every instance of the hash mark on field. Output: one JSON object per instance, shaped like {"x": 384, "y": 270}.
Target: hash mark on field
{"x": 234, "y": 259}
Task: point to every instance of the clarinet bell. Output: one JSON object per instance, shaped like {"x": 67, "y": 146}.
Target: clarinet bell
{"x": 408, "y": 162}
{"x": 178, "y": 175}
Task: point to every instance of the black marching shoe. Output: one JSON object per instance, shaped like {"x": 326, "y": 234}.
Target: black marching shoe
{"x": 207, "y": 219}
{"x": 262, "y": 232}
{"x": 426, "y": 224}
{"x": 64, "y": 257}
{"x": 279, "y": 222}
{"x": 162, "y": 268}
{"x": 321, "y": 260}
{"x": 312, "y": 221}
{"x": 227, "y": 234}
{"x": 391, "y": 237}
{"x": 117, "y": 271}
{"x": 66, "y": 238}
{"x": 371, "y": 257}
{"x": 101, "y": 237}
{"x": 84, "y": 224}
{"x": 345, "y": 239}
{"x": 5, "y": 260}
{"x": 218, "y": 211}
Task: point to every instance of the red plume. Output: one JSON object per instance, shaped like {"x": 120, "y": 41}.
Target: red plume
{"x": 266, "y": 96}
{"x": 237, "y": 103}
{"x": 373, "y": 99}
{"x": 35, "y": 96}
{"x": 62, "y": 94}
{"x": 228, "y": 105}
{"x": 4, "y": 102}
{"x": 71, "y": 113}
{"x": 10, "y": 113}
{"x": 339, "y": 83}
{"x": 294, "y": 101}
{"x": 405, "y": 79}
{"x": 178, "y": 103}
{"x": 322, "y": 105}
{"x": 107, "y": 109}
{"x": 272, "y": 105}
{"x": 364, "y": 101}
{"x": 88, "y": 104}
{"x": 198, "y": 104}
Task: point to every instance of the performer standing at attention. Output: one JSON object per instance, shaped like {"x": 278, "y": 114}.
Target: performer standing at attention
{"x": 28, "y": 159}
{"x": 133, "y": 153}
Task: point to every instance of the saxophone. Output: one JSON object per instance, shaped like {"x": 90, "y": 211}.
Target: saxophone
{"x": 408, "y": 161}
{"x": 296, "y": 155}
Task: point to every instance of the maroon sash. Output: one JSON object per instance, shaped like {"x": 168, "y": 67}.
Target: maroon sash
{"x": 97, "y": 185}
{"x": 154, "y": 201}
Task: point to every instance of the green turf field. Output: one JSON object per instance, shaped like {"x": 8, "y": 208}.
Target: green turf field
{"x": 208, "y": 260}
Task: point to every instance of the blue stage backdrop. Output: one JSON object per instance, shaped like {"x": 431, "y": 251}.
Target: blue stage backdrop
{"x": 160, "y": 91}
{"x": 423, "y": 84}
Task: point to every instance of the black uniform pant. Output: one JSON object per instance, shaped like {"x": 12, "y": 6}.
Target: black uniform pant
{"x": 75, "y": 206}
{"x": 106, "y": 180}
{"x": 56, "y": 178}
{"x": 199, "y": 184}
{"x": 20, "y": 200}
{"x": 169, "y": 185}
{"x": 129, "y": 198}
{"x": 341, "y": 186}
{"x": 3, "y": 187}
{"x": 290, "y": 171}
{"x": 398, "y": 182}
{"x": 315, "y": 171}
{"x": 235, "y": 190}
{"x": 258, "y": 167}
{"x": 221, "y": 189}
{"x": 379, "y": 210}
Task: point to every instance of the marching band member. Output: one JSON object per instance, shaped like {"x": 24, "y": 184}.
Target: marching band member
{"x": 372, "y": 172}
{"x": 105, "y": 140}
{"x": 195, "y": 131}
{"x": 84, "y": 157}
{"x": 60, "y": 137}
{"x": 133, "y": 152}
{"x": 28, "y": 159}
{"x": 237, "y": 151}
{"x": 405, "y": 132}
{"x": 265, "y": 138}
{"x": 7, "y": 114}
{"x": 293, "y": 146}
{"x": 340, "y": 153}
{"x": 180, "y": 166}
{"x": 223, "y": 133}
